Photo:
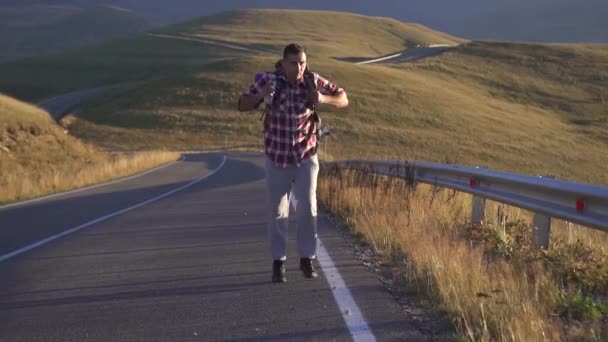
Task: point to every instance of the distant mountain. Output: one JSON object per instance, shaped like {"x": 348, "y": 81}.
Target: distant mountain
{"x": 524, "y": 20}
{"x": 536, "y": 20}
{"x": 430, "y": 12}
{"x": 39, "y": 30}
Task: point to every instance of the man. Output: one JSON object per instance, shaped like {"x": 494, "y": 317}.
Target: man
{"x": 290, "y": 144}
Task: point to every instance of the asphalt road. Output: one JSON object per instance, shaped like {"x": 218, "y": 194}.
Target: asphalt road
{"x": 409, "y": 55}
{"x": 61, "y": 105}
{"x": 417, "y": 53}
{"x": 190, "y": 266}
{"x": 216, "y": 42}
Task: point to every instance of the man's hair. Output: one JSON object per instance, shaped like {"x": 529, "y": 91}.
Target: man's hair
{"x": 293, "y": 49}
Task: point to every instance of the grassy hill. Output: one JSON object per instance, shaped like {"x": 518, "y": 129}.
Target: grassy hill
{"x": 135, "y": 59}
{"x": 27, "y": 32}
{"x": 31, "y": 144}
{"x": 531, "y": 108}
{"x": 38, "y": 157}
{"x": 145, "y": 57}
{"x": 325, "y": 33}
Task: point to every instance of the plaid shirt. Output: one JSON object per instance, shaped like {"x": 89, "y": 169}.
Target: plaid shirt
{"x": 289, "y": 126}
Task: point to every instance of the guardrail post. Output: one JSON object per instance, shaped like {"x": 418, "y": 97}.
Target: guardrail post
{"x": 478, "y": 210}
{"x": 410, "y": 175}
{"x": 541, "y": 230}
{"x": 541, "y": 227}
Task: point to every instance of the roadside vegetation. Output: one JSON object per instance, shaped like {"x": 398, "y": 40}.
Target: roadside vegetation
{"x": 488, "y": 279}
{"x": 37, "y": 157}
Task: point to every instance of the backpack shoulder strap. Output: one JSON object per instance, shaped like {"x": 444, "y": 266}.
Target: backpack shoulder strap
{"x": 311, "y": 79}
{"x": 269, "y": 101}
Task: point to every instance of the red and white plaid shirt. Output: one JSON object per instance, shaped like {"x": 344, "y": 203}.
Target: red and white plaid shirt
{"x": 289, "y": 126}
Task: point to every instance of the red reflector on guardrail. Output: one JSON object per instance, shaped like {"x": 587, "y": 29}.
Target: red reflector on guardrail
{"x": 580, "y": 205}
{"x": 473, "y": 182}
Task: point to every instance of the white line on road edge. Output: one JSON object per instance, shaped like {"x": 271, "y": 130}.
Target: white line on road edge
{"x": 90, "y": 223}
{"x": 351, "y": 313}
{"x": 381, "y": 59}
{"x": 88, "y": 187}
{"x": 357, "y": 326}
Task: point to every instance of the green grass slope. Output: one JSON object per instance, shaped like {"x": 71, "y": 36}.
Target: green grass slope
{"x": 144, "y": 56}
{"x": 326, "y": 33}
{"x": 494, "y": 111}
{"x": 135, "y": 59}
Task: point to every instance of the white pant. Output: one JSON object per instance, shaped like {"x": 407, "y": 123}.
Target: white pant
{"x": 278, "y": 185}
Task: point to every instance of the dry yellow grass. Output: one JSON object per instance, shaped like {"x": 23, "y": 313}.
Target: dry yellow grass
{"x": 488, "y": 298}
{"x": 560, "y": 229}
{"x": 15, "y": 187}
{"x": 37, "y": 157}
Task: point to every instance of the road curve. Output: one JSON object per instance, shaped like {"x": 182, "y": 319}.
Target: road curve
{"x": 61, "y": 105}
{"x": 208, "y": 41}
{"x": 408, "y": 55}
{"x": 192, "y": 265}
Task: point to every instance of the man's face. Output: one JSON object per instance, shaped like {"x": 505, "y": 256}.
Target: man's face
{"x": 294, "y": 66}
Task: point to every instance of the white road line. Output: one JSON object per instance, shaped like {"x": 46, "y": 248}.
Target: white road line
{"x": 434, "y": 47}
{"x": 90, "y": 223}
{"x": 205, "y": 41}
{"x": 6, "y": 206}
{"x": 357, "y": 326}
{"x": 381, "y": 59}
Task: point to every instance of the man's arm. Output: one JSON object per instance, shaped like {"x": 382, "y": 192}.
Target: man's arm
{"x": 329, "y": 93}
{"x": 248, "y": 102}
{"x": 340, "y": 100}
{"x": 254, "y": 98}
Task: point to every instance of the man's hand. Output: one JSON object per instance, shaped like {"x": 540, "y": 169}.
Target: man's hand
{"x": 249, "y": 102}
{"x": 265, "y": 91}
{"x": 339, "y": 100}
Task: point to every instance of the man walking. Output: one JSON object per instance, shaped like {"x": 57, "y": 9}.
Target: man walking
{"x": 290, "y": 145}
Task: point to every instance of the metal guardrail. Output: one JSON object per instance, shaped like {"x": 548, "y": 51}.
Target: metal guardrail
{"x": 579, "y": 203}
